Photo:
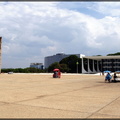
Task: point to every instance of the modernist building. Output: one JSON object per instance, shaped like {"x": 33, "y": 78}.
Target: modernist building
{"x": 90, "y": 64}
{"x": 57, "y": 58}
{"x": 37, "y": 65}
{"x": 94, "y": 64}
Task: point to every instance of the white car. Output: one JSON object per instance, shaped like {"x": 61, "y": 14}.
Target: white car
{"x": 10, "y": 72}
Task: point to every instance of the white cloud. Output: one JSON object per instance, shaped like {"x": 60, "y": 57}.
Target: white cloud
{"x": 107, "y": 8}
{"x": 5, "y": 49}
{"x": 34, "y": 30}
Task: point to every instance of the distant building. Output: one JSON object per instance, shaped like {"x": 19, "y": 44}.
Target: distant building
{"x": 57, "y": 58}
{"x": 37, "y": 65}
{"x": 100, "y": 63}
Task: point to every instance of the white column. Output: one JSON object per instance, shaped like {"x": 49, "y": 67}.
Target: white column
{"x": 83, "y": 70}
{"x": 94, "y": 67}
{"x": 98, "y": 70}
{"x": 89, "y": 71}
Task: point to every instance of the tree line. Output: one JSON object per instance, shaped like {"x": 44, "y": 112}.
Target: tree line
{"x": 67, "y": 64}
{"x": 71, "y": 64}
{"x": 22, "y": 70}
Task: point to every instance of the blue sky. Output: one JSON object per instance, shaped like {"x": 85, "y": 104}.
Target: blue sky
{"x": 34, "y": 30}
{"x": 83, "y": 7}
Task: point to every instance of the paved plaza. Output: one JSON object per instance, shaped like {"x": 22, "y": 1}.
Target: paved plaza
{"x": 71, "y": 96}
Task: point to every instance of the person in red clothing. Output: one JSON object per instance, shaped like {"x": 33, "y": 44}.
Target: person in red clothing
{"x": 57, "y": 73}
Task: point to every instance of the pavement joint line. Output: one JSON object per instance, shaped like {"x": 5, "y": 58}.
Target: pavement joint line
{"x": 42, "y": 85}
{"x": 38, "y": 97}
{"x": 50, "y": 108}
{"x": 56, "y": 109}
{"x": 104, "y": 106}
{"x": 109, "y": 115}
{"x": 4, "y": 102}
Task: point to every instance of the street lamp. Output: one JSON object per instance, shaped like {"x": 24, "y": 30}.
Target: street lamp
{"x": 77, "y": 66}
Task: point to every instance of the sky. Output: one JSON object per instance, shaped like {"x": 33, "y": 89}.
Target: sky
{"x": 31, "y": 31}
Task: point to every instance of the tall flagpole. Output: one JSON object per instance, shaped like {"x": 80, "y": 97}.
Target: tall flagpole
{"x": 0, "y": 53}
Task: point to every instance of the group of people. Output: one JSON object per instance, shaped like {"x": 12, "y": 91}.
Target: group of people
{"x": 108, "y": 77}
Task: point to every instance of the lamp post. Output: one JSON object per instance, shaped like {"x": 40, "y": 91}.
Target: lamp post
{"x": 77, "y": 66}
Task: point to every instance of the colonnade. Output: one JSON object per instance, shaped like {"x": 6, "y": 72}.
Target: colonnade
{"x": 88, "y": 67}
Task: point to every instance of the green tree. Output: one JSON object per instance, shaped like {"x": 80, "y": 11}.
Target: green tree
{"x": 71, "y": 63}
{"x": 112, "y": 54}
{"x": 22, "y": 70}
{"x": 64, "y": 68}
{"x": 53, "y": 66}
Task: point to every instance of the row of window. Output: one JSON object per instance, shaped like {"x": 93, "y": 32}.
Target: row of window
{"x": 114, "y": 64}
{"x": 113, "y": 69}
{"x": 111, "y": 60}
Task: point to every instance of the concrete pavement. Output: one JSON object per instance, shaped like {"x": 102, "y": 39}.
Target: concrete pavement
{"x": 71, "y": 96}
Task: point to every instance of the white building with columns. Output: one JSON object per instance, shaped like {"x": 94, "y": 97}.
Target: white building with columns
{"x": 100, "y": 63}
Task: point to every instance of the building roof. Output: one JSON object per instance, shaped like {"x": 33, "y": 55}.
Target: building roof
{"x": 102, "y": 57}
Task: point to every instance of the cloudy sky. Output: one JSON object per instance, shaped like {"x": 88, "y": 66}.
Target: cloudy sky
{"x": 33, "y": 30}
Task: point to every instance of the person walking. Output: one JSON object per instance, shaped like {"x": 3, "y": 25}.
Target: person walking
{"x": 115, "y": 76}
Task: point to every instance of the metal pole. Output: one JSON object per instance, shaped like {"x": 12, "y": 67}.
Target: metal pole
{"x": 77, "y": 66}
{"x": 0, "y": 53}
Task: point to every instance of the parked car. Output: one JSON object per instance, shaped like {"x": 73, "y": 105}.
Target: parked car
{"x": 10, "y": 72}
